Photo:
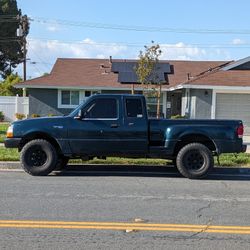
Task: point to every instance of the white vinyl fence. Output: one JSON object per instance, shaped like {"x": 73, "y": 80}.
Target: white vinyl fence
{"x": 10, "y": 105}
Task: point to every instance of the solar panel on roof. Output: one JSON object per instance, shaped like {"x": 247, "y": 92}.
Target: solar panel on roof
{"x": 127, "y": 74}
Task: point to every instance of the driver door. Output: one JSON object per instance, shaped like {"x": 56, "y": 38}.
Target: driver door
{"x": 97, "y": 132}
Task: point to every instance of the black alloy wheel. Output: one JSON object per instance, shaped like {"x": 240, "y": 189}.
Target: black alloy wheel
{"x": 194, "y": 161}
{"x": 35, "y": 156}
{"x": 38, "y": 157}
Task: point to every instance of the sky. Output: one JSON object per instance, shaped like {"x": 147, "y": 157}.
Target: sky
{"x": 185, "y": 30}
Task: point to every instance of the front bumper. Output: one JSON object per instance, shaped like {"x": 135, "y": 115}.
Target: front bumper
{"x": 12, "y": 142}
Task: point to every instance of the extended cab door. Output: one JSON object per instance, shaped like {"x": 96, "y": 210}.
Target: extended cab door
{"x": 135, "y": 129}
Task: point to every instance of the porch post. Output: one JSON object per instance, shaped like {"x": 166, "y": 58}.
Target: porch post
{"x": 213, "y": 106}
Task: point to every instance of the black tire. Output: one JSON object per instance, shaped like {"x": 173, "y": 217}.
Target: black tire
{"x": 62, "y": 162}
{"x": 38, "y": 157}
{"x": 194, "y": 161}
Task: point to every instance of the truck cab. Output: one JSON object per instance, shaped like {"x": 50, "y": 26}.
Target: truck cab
{"x": 110, "y": 125}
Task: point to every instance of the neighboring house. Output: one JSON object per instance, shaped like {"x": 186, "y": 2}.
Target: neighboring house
{"x": 218, "y": 93}
{"x": 196, "y": 89}
{"x": 71, "y": 81}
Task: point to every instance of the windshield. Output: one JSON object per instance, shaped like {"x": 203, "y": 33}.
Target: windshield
{"x": 76, "y": 110}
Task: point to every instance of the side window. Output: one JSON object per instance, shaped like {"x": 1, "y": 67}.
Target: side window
{"x": 102, "y": 108}
{"x": 134, "y": 107}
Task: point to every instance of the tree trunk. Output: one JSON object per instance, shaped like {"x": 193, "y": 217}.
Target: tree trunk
{"x": 133, "y": 89}
{"x": 158, "y": 102}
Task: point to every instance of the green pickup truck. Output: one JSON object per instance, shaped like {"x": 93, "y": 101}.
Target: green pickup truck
{"x": 118, "y": 125}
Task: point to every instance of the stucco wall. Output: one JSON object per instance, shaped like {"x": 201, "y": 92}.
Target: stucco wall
{"x": 199, "y": 104}
{"x": 203, "y": 103}
{"x": 44, "y": 102}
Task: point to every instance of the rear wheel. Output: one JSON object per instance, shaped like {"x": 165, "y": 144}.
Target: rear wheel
{"x": 194, "y": 161}
{"x": 38, "y": 157}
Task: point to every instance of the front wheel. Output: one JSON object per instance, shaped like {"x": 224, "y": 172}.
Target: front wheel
{"x": 38, "y": 157}
{"x": 194, "y": 161}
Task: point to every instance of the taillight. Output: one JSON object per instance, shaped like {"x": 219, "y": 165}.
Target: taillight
{"x": 240, "y": 131}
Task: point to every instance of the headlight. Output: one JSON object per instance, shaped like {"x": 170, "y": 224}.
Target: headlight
{"x": 9, "y": 133}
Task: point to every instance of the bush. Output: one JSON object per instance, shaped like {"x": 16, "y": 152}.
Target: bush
{"x": 20, "y": 116}
{"x": 35, "y": 115}
{"x": 1, "y": 116}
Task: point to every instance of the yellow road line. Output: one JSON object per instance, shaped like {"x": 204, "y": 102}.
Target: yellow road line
{"x": 99, "y": 223}
{"x": 124, "y": 226}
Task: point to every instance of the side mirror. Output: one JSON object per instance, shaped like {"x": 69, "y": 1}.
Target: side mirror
{"x": 79, "y": 115}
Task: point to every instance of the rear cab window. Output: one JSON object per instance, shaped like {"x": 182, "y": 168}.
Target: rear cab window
{"x": 134, "y": 107}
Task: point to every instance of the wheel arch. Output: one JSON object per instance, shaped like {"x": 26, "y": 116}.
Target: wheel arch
{"x": 40, "y": 135}
{"x": 195, "y": 138}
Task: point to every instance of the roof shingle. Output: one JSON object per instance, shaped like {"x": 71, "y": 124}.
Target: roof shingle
{"x": 97, "y": 73}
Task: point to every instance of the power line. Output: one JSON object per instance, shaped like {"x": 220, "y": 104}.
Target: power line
{"x": 45, "y": 65}
{"x": 37, "y": 69}
{"x": 138, "y": 28}
{"x": 140, "y": 45}
{"x": 135, "y": 45}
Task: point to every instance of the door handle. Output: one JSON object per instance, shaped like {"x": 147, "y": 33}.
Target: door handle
{"x": 131, "y": 124}
{"x": 114, "y": 125}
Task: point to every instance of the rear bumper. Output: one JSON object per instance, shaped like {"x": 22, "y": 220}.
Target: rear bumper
{"x": 12, "y": 142}
{"x": 230, "y": 146}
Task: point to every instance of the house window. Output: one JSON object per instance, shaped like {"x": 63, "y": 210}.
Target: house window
{"x": 87, "y": 93}
{"x": 151, "y": 98}
{"x": 68, "y": 98}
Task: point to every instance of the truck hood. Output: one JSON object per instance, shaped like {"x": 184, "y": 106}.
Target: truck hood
{"x": 45, "y": 124}
{"x": 41, "y": 120}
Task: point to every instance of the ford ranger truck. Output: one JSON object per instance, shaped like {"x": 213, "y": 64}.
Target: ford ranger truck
{"x": 118, "y": 125}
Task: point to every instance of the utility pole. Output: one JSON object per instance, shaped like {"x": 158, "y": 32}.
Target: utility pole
{"x": 24, "y": 58}
{"x": 23, "y": 31}
{"x": 24, "y": 63}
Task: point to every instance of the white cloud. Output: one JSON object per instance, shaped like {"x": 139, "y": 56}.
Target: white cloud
{"x": 86, "y": 48}
{"x": 181, "y": 51}
{"x": 52, "y": 28}
{"x": 44, "y": 53}
{"x": 238, "y": 41}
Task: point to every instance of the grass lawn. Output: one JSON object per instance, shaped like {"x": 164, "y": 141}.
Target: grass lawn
{"x": 3, "y": 129}
{"x": 8, "y": 154}
{"x": 241, "y": 159}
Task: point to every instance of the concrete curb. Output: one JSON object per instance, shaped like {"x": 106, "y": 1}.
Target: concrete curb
{"x": 10, "y": 165}
{"x": 15, "y": 165}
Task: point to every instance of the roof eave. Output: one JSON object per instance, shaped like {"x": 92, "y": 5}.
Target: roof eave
{"x": 216, "y": 87}
{"x": 43, "y": 86}
{"x": 236, "y": 64}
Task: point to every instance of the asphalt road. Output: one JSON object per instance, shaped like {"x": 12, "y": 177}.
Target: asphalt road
{"x": 114, "y": 208}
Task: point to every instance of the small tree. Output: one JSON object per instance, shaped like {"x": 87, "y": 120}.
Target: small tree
{"x": 11, "y": 45}
{"x": 7, "y": 86}
{"x": 146, "y": 70}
